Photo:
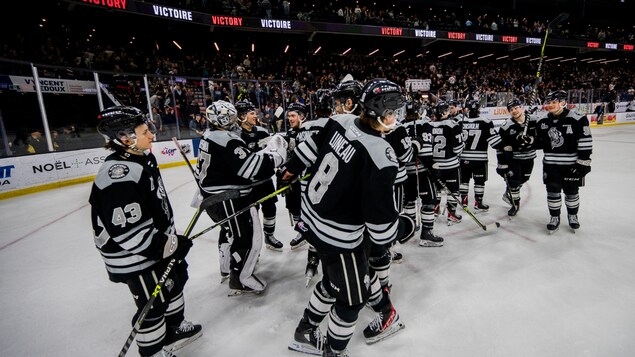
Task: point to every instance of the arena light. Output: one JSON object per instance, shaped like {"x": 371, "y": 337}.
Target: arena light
{"x": 375, "y": 51}
{"x": 502, "y": 57}
{"x": 609, "y": 61}
{"x": 597, "y": 60}
{"x": 345, "y": 52}
{"x": 445, "y": 54}
{"x": 398, "y": 53}
{"x": 216, "y": 45}
{"x": 522, "y": 57}
{"x": 537, "y": 58}
{"x": 568, "y": 59}
{"x": 586, "y": 59}
{"x": 466, "y": 55}
{"x": 318, "y": 50}
{"x": 286, "y": 49}
{"x": 177, "y": 45}
{"x": 485, "y": 56}
{"x": 553, "y": 59}
{"x": 420, "y": 55}
{"x": 253, "y": 47}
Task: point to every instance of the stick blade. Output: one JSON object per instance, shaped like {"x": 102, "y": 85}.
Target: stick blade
{"x": 219, "y": 197}
{"x": 558, "y": 20}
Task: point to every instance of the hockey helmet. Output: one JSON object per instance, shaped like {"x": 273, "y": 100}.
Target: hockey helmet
{"x": 380, "y": 96}
{"x": 349, "y": 89}
{"x": 558, "y": 95}
{"x": 221, "y": 114}
{"x": 243, "y": 107}
{"x": 442, "y": 108}
{"x": 119, "y": 122}
{"x": 514, "y": 102}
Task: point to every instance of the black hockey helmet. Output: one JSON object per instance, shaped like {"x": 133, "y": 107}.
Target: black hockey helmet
{"x": 558, "y": 95}
{"x": 379, "y": 96}
{"x": 348, "y": 89}
{"x": 118, "y": 122}
{"x": 323, "y": 100}
{"x": 243, "y": 107}
{"x": 453, "y": 103}
{"x": 514, "y": 102}
{"x": 413, "y": 109}
{"x": 473, "y": 108}
{"x": 441, "y": 109}
{"x": 297, "y": 107}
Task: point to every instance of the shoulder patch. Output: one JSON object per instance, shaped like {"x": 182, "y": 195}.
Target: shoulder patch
{"x": 118, "y": 171}
{"x": 391, "y": 155}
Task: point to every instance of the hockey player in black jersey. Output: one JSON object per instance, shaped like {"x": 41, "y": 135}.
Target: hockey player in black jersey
{"x": 347, "y": 204}
{"x": 226, "y": 163}
{"x": 516, "y": 157}
{"x": 420, "y": 182}
{"x": 447, "y": 144}
{"x": 133, "y": 227}
{"x": 254, "y": 135}
{"x": 565, "y": 138}
{"x": 478, "y": 134}
{"x": 346, "y": 96}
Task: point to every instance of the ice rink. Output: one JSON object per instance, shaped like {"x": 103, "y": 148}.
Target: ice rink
{"x": 514, "y": 291}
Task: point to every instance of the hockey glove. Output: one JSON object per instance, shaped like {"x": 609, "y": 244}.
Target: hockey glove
{"x": 183, "y": 248}
{"x": 406, "y": 229}
{"x": 503, "y": 170}
{"x": 277, "y": 149}
{"x": 581, "y": 168}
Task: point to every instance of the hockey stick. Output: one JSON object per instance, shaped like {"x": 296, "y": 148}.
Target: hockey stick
{"x": 223, "y": 196}
{"x": 245, "y": 209}
{"x": 509, "y": 191}
{"x": 467, "y": 210}
{"x": 559, "y": 19}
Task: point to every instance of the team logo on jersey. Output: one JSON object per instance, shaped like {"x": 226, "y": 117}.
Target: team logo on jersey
{"x": 390, "y": 154}
{"x": 586, "y": 130}
{"x": 556, "y": 138}
{"x": 240, "y": 152}
{"x": 367, "y": 281}
{"x": 512, "y": 131}
{"x": 118, "y": 171}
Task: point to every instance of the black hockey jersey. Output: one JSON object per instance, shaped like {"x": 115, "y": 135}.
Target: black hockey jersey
{"x": 225, "y": 163}
{"x": 447, "y": 142}
{"x": 350, "y": 191}
{"x": 416, "y": 129}
{"x": 478, "y": 133}
{"x": 130, "y": 213}
{"x": 509, "y": 132}
{"x": 402, "y": 144}
{"x": 253, "y": 138}
{"x": 564, "y": 139}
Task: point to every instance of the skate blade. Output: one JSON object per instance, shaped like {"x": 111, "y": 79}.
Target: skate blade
{"x": 302, "y": 348}
{"x": 451, "y": 223}
{"x": 239, "y": 292}
{"x": 271, "y": 247}
{"x": 390, "y": 331}
{"x": 299, "y": 245}
{"x": 184, "y": 342}
{"x": 224, "y": 278}
{"x": 396, "y": 261}
{"x": 553, "y": 231}
{"x": 428, "y": 244}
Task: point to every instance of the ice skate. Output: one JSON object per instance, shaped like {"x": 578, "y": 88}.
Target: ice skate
{"x": 386, "y": 324}
{"x": 479, "y": 206}
{"x": 307, "y": 339}
{"x": 553, "y": 224}
{"x": 297, "y": 242}
{"x": 429, "y": 240}
{"x": 573, "y": 222}
{"x": 453, "y": 218}
{"x": 272, "y": 243}
{"x": 179, "y": 336}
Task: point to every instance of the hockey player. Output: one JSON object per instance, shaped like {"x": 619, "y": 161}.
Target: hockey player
{"x": 565, "y": 138}
{"x": 447, "y": 144}
{"x": 253, "y": 135}
{"x": 299, "y": 132}
{"x": 478, "y": 133}
{"x": 226, "y": 163}
{"x": 419, "y": 172}
{"x": 347, "y": 204}
{"x": 346, "y": 96}
{"x": 516, "y": 158}
{"x": 133, "y": 226}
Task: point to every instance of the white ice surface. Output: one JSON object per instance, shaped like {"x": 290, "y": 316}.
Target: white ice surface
{"x": 514, "y": 291}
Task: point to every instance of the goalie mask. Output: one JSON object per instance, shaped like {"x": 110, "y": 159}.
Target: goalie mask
{"x": 221, "y": 114}
{"x": 118, "y": 124}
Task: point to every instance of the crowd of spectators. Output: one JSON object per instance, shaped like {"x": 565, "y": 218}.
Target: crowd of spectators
{"x": 410, "y": 15}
